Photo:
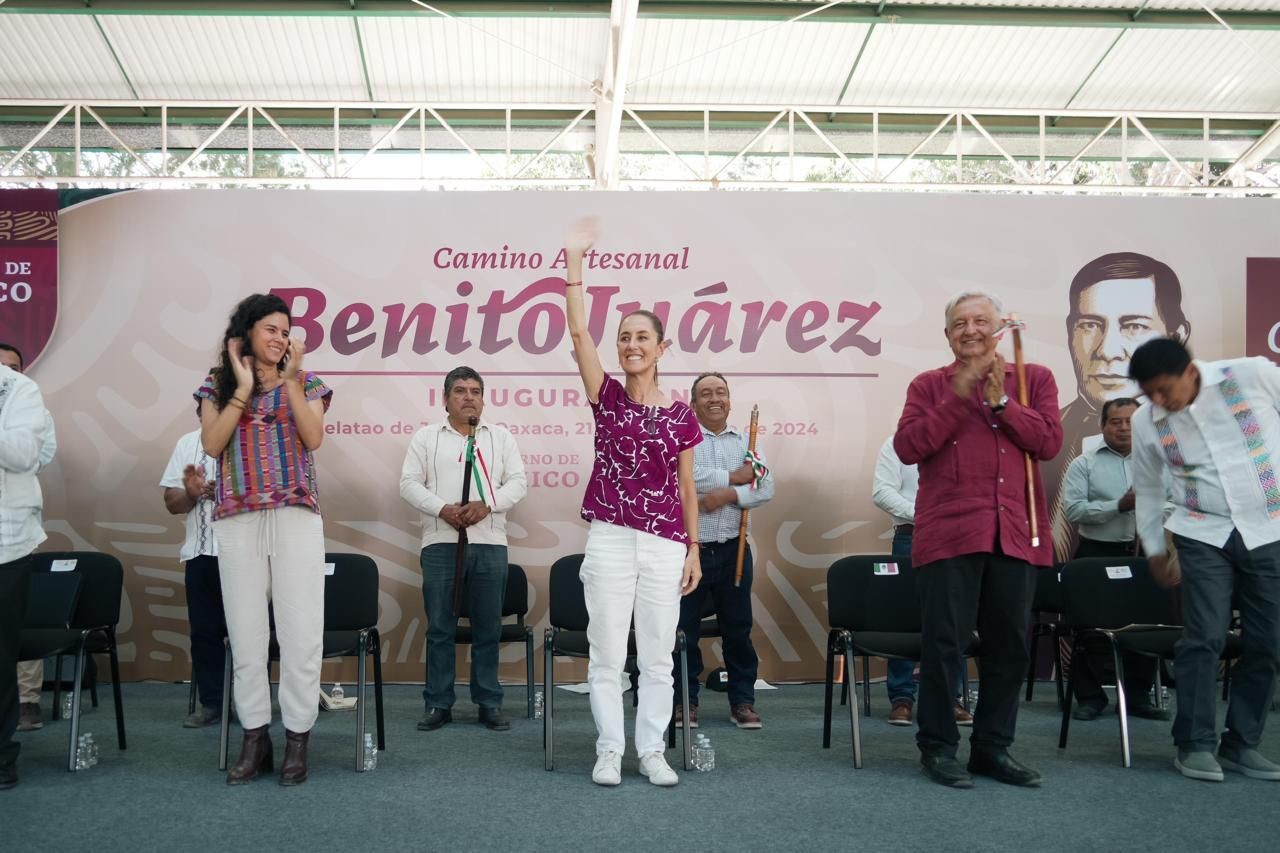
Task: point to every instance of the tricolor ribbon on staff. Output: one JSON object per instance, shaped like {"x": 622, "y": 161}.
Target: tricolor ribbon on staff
{"x": 473, "y": 455}
{"x": 758, "y": 468}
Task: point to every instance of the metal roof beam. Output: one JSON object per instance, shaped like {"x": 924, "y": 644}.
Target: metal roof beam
{"x": 612, "y": 96}
{"x": 764, "y": 10}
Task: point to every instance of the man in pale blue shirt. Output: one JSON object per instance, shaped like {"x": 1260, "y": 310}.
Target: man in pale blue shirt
{"x": 727, "y": 484}
{"x": 1216, "y": 428}
{"x": 1097, "y": 497}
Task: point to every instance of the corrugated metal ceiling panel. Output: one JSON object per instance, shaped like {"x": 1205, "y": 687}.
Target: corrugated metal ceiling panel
{"x": 473, "y": 59}
{"x": 975, "y": 66}
{"x": 55, "y": 56}
{"x": 1180, "y": 70}
{"x": 215, "y": 57}
{"x": 678, "y": 61}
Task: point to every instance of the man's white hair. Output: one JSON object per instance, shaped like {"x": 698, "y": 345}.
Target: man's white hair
{"x": 972, "y": 294}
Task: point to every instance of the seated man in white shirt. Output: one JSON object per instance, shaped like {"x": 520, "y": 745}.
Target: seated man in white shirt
{"x": 22, "y": 420}
{"x": 1097, "y": 497}
{"x": 431, "y": 481}
{"x": 1216, "y": 428}
{"x": 30, "y": 672}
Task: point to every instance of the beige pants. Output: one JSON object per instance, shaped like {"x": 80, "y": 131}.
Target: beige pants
{"x": 30, "y": 680}
{"x": 276, "y": 556}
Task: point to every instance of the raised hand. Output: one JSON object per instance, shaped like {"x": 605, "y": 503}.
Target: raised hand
{"x": 582, "y": 236}
{"x": 293, "y": 359}
{"x": 241, "y": 365}
{"x": 193, "y": 482}
{"x": 994, "y": 388}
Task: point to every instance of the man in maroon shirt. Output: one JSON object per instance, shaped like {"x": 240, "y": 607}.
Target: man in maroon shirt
{"x": 963, "y": 427}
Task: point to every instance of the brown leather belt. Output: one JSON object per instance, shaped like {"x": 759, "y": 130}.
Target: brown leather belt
{"x": 904, "y": 528}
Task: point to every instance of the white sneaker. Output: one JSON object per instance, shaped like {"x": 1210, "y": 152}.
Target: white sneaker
{"x": 655, "y": 766}
{"x": 608, "y": 771}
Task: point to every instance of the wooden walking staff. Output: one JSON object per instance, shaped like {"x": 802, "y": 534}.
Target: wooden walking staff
{"x": 460, "y": 555}
{"x": 742, "y": 525}
{"x": 1020, "y": 369}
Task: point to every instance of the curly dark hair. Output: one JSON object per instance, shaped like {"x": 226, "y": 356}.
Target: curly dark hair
{"x": 250, "y": 310}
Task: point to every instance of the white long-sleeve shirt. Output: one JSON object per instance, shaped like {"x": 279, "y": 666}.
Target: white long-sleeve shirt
{"x": 714, "y": 459}
{"x": 22, "y": 439}
{"x": 894, "y": 486}
{"x": 431, "y": 478}
{"x": 1222, "y": 452}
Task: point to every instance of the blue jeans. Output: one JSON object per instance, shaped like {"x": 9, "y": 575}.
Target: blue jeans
{"x": 733, "y": 612}
{"x": 900, "y": 677}
{"x": 1209, "y": 576}
{"x": 485, "y": 584}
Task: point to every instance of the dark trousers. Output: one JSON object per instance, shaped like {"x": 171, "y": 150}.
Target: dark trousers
{"x": 733, "y": 612}
{"x": 1092, "y": 671}
{"x": 484, "y": 587}
{"x": 13, "y": 608}
{"x": 992, "y": 593}
{"x": 208, "y": 627}
{"x": 1209, "y": 577}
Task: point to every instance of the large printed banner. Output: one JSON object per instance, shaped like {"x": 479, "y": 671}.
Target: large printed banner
{"x": 28, "y": 269}
{"x": 818, "y": 307}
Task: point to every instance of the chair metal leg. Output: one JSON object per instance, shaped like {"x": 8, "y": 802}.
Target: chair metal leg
{"x": 73, "y": 735}
{"x": 91, "y": 675}
{"x": 866, "y": 683}
{"x": 115, "y": 693}
{"x": 548, "y": 701}
{"x": 1158, "y": 689}
{"x": 964, "y": 684}
{"x": 827, "y": 693}
{"x": 375, "y": 648}
{"x": 57, "y": 688}
{"x": 855, "y": 725}
{"x": 224, "y": 734}
{"x": 191, "y": 693}
{"x": 844, "y": 685}
{"x": 1122, "y": 707}
{"x": 684, "y": 701}
{"x": 1066, "y": 703}
{"x": 1057, "y": 668}
{"x": 1031, "y": 666}
{"x": 528, "y": 657}
{"x": 362, "y": 653}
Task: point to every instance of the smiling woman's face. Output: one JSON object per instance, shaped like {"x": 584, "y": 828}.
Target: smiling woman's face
{"x": 1112, "y": 319}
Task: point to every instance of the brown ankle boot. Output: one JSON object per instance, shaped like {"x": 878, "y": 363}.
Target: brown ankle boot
{"x": 293, "y": 770}
{"x": 255, "y": 757}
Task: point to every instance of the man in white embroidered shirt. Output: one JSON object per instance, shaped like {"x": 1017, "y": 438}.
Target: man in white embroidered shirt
{"x": 431, "y": 482}
{"x": 1215, "y": 426}
{"x": 725, "y": 488}
{"x": 22, "y": 430}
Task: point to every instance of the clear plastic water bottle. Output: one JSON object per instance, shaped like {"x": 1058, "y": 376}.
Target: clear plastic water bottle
{"x": 370, "y": 753}
{"x": 66, "y": 705}
{"x": 704, "y": 755}
{"x": 93, "y": 749}
{"x": 336, "y": 693}
{"x": 86, "y": 752}
{"x": 538, "y": 702}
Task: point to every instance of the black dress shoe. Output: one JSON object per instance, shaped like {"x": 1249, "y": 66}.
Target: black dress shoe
{"x": 999, "y": 765}
{"x": 435, "y": 718}
{"x": 8, "y": 775}
{"x": 945, "y": 770}
{"x": 1148, "y": 711}
{"x": 1087, "y": 712}
{"x": 494, "y": 719}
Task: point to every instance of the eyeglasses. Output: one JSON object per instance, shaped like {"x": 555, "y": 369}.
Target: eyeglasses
{"x": 651, "y": 420}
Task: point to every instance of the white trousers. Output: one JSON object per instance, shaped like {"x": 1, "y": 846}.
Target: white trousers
{"x": 277, "y": 556}
{"x": 627, "y": 571}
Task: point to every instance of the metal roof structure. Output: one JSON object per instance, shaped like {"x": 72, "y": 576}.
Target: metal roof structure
{"x": 1174, "y": 96}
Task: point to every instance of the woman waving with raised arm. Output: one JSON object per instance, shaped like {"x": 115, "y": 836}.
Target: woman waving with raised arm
{"x": 640, "y": 502}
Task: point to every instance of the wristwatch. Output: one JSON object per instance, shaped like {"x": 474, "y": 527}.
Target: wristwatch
{"x": 1004, "y": 401}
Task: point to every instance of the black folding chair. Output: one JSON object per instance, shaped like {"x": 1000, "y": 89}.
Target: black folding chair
{"x": 515, "y": 602}
{"x": 51, "y": 605}
{"x": 567, "y": 636}
{"x": 1046, "y": 603}
{"x": 350, "y": 630}
{"x": 1112, "y": 604}
{"x": 91, "y": 630}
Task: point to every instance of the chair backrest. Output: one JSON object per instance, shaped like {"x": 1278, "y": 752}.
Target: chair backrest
{"x": 350, "y": 593}
{"x": 101, "y": 584}
{"x": 1111, "y": 592}
{"x": 873, "y": 592}
{"x": 567, "y": 608}
{"x": 51, "y": 599}
{"x": 1048, "y": 595}
{"x": 515, "y": 599}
